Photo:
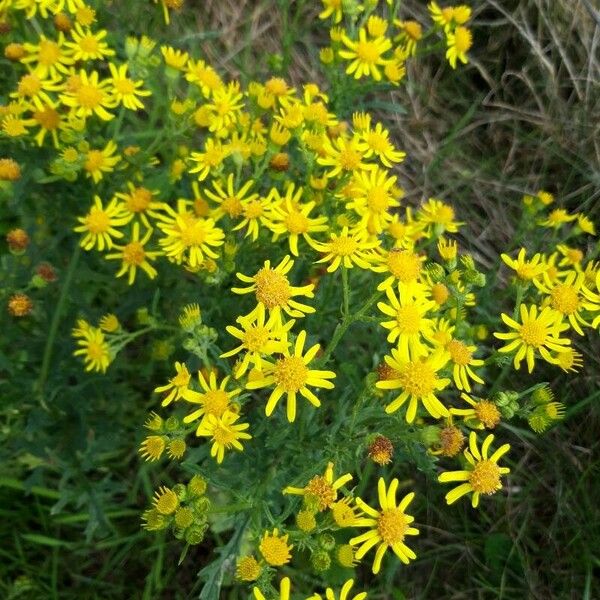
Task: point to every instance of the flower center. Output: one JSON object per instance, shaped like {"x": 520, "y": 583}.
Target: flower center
{"x": 408, "y": 319}
{"x": 459, "y": 352}
{"x": 139, "y": 199}
{"x": 256, "y": 338}
{"x": 564, "y": 299}
{"x": 215, "y": 402}
{"x": 194, "y": 234}
{"x": 89, "y": 96}
{"x": 253, "y": 209}
{"x": 49, "y": 52}
{"x": 349, "y": 159}
{"x": 94, "y": 160}
{"x": 48, "y": 119}
{"x": 296, "y": 222}
{"x": 272, "y": 288}
{"x": 319, "y": 488}
{"x": 343, "y": 246}
{"x": 439, "y": 293}
{"x": 232, "y": 206}
{"x": 451, "y": 441}
{"x": 181, "y": 379}
{"x": 222, "y": 435}
{"x": 462, "y": 39}
{"x": 29, "y": 85}
{"x": 392, "y": 525}
{"x": 134, "y": 254}
{"x": 487, "y": 413}
{"x": 290, "y": 373}
{"x": 404, "y": 265}
{"x": 89, "y": 44}
{"x": 367, "y": 51}
{"x": 485, "y": 477}
{"x": 533, "y": 333}
{"x": 418, "y": 379}
{"x": 413, "y": 30}
{"x": 378, "y": 200}
{"x": 97, "y": 221}
{"x": 96, "y": 350}
{"x": 124, "y": 86}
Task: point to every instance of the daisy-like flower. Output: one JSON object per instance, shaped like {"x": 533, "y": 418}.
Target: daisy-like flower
{"x": 214, "y": 399}
{"x": 418, "y": 381}
{"x": 140, "y": 202}
{"x": 411, "y": 33}
{"x": 213, "y": 156}
{"x": 459, "y": 43}
{"x": 87, "y": 96}
{"x": 49, "y": 120}
{"x": 284, "y": 590}
{"x": 482, "y": 475}
{"x": 204, "y": 76}
{"x": 95, "y": 350}
{"x": 225, "y": 433}
{"x": 333, "y": 9}
{"x": 187, "y": 238}
{"x": 291, "y": 376}
{"x": 126, "y": 90}
{"x": 88, "y": 45}
{"x": 177, "y": 386}
{"x": 255, "y": 212}
{"x": 48, "y": 57}
{"x": 438, "y": 217}
{"x": 229, "y": 199}
{"x": 375, "y": 141}
{"x": 569, "y": 298}
{"x": 557, "y": 218}
{"x": 100, "y": 225}
{"x": 537, "y": 333}
{"x": 365, "y": 54}
{"x": 342, "y": 155}
{"x": 226, "y": 106}
{"x": 410, "y": 323}
{"x": 343, "y": 595}
{"x": 482, "y": 414}
{"x": 291, "y": 218}
{"x": 526, "y": 270}
{"x": 461, "y": 356}
{"x": 34, "y": 89}
{"x": 388, "y": 527}
{"x": 570, "y": 360}
{"x": 174, "y": 58}
{"x": 322, "y": 489}
{"x": 273, "y": 290}
{"x": 259, "y": 337}
{"x": 571, "y": 257}
{"x": 373, "y": 199}
{"x": 347, "y": 249}
{"x": 97, "y": 162}
{"x": 134, "y": 255}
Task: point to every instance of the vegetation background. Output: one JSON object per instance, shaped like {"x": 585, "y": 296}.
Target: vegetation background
{"x": 523, "y": 115}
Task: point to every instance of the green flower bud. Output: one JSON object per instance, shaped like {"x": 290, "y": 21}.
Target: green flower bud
{"x": 326, "y": 541}
{"x": 320, "y": 561}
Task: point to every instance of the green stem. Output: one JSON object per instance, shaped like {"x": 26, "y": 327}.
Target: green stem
{"x": 346, "y": 292}
{"x": 56, "y": 322}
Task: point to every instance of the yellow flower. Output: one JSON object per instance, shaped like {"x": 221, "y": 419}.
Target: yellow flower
{"x": 291, "y": 375}
{"x": 275, "y": 549}
{"x": 536, "y": 333}
{"x": 153, "y": 447}
{"x": 48, "y": 57}
{"x": 403, "y": 265}
{"x": 134, "y": 255}
{"x": 95, "y": 350}
{"x": 33, "y": 88}
{"x": 204, "y": 76}
{"x": 342, "y": 156}
{"x": 188, "y": 238}
{"x": 176, "y": 59}
{"x": 88, "y": 45}
{"x": 177, "y": 386}
{"x": 125, "y": 90}
{"x": 410, "y": 323}
{"x": 291, "y": 218}
{"x": 459, "y": 43}
{"x": 556, "y": 218}
{"x": 569, "y": 360}
{"x": 214, "y": 399}
{"x": 100, "y": 224}
{"x": 225, "y": 433}
{"x": 462, "y": 356}
{"x": 322, "y": 489}
{"x": 226, "y": 106}
{"x": 273, "y": 290}
{"x": 98, "y": 162}
{"x": 483, "y": 414}
{"x": 259, "y": 337}
{"x": 366, "y": 54}
{"x": 344, "y": 593}
{"x": 167, "y": 5}
{"x": 229, "y": 199}
{"x": 375, "y": 141}
{"x": 209, "y": 160}
{"x": 569, "y": 298}
{"x": 411, "y": 33}
{"x": 333, "y": 9}
{"x": 418, "y": 381}
{"x": 109, "y": 323}
{"x": 482, "y": 475}
{"x": 347, "y": 249}
{"x": 388, "y": 527}
{"x": 248, "y": 569}
{"x": 87, "y": 96}
{"x": 438, "y": 217}
{"x": 526, "y": 270}
{"x": 139, "y": 202}
{"x": 585, "y": 224}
